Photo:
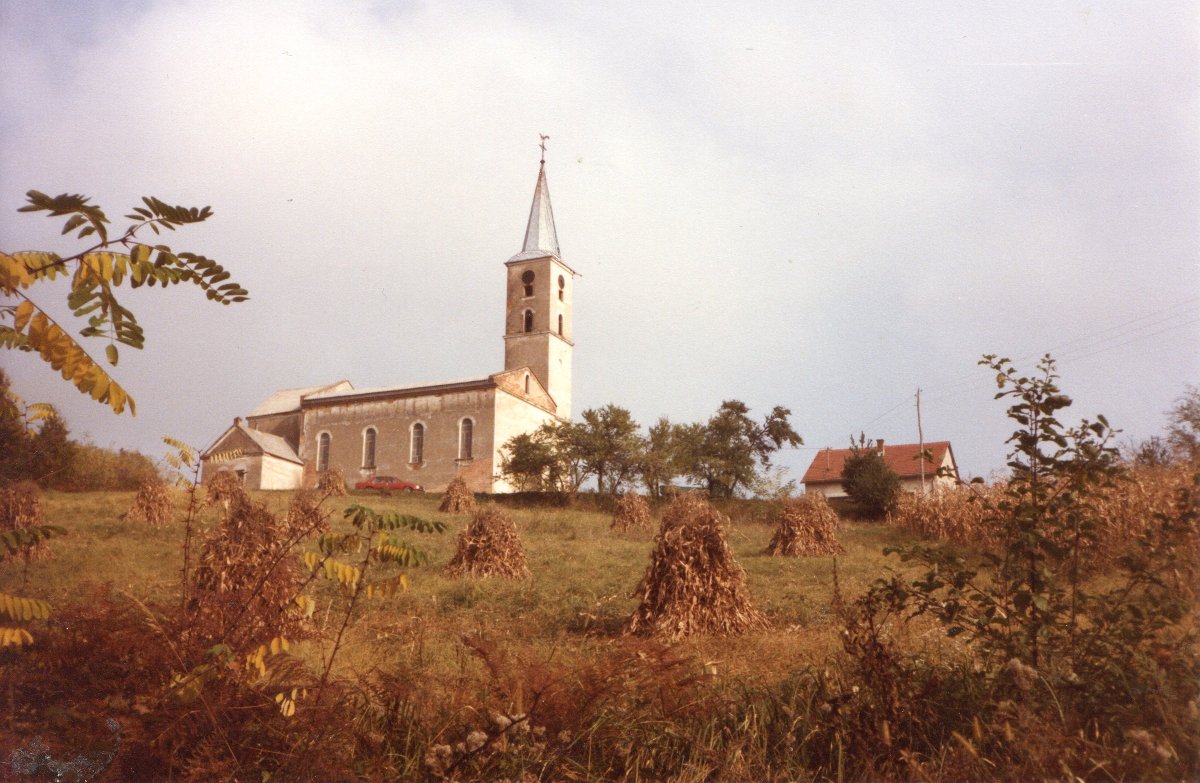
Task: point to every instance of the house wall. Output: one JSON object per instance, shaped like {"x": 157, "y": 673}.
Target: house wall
{"x": 276, "y": 473}
{"x": 513, "y": 417}
{"x": 393, "y": 419}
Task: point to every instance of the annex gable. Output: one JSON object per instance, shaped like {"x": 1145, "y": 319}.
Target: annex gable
{"x": 515, "y": 382}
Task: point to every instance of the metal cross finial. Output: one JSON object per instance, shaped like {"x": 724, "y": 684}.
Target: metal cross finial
{"x": 544, "y": 137}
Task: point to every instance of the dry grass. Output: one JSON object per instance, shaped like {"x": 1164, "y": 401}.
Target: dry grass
{"x": 457, "y": 498}
{"x": 152, "y": 504}
{"x": 963, "y": 515}
{"x": 20, "y": 507}
{"x": 694, "y": 584}
{"x": 1134, "y": 504}
{"x": 807, "y": 527}
{"x": 489, "y": 547}
{"x": 632, "y": 513}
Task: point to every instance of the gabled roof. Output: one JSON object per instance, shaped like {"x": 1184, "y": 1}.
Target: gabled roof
{"x": 288, "y": 400}
{"x": 265, "y": 442}
{"x": 541, "y": 238}
{"x": 900, "y": 457}
{"x": 410, "y": 390}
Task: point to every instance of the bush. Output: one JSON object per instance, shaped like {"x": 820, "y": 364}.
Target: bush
{"x": 868, "y": 481}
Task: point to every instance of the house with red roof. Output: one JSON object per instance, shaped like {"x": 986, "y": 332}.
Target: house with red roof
{"x": 916, "y": 474}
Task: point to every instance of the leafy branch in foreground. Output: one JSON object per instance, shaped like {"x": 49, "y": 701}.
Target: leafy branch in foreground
{"x": 96, "y": 273}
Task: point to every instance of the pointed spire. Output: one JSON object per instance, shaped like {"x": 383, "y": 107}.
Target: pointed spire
{"x": 541, "y": 239}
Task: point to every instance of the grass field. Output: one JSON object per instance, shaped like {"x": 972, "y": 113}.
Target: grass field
{"x": 583, "y": 578}
{"x": 421, "y": 673}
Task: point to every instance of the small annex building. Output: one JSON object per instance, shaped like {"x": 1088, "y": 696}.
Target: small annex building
{"x": 426, "y": 433}
{"x": 824, "y": 475}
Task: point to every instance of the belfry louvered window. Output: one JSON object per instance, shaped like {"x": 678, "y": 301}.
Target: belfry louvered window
{"x": 529, "y": 320}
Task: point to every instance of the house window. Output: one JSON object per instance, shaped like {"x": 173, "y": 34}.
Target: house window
{"x": 323, "y": 452}
{"x": 416, "y": 451}
{"x": 369, "y": 448}
{"x": 562, "y": 284}
{"x": 527, "y": 281}
{"x": 466, "y": 433}
{"x": 529, "y": 320}
{"x": 560, "y": 325}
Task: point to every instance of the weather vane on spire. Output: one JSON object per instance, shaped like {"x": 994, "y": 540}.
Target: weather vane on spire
{"x": 544, "y": 137}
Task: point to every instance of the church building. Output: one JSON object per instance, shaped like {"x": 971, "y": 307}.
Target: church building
{"x": 427, "y": 433}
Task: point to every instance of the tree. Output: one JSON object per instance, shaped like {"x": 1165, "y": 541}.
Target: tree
{"x": 96, "y": 273}
{"x": 726, "y": 453}
{"x": 868, "y": 480}
{"x": 51, "y": 451}
{"x": 549, "y": 459}
{"x": 611, "y": 447}
{"x": 1183, "y": 429}
{"x": 659, "y": 463}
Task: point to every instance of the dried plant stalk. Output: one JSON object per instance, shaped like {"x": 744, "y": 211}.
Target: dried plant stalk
{"x": 807, "y": 527}
{"x": 151, "y": 504}
{"x": 457, "y": 499}
{"x": 331, "y": 483}
{"x": 489, "y": 547}
{"x": 693, "y": 584}
{"x": 632, "y": 513}
{"x": 20, "y": 507}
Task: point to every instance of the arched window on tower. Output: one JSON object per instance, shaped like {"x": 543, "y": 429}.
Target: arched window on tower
{"x": 416, "y": 448}
{"x": 529, "y": 320}
{"x": 560, "y": 324}
{"x": 323, "y": 452}
{"x": 562, "y": 284}
{"x": 369, "y": 448}
{"x": 527, "y": 281}
{"x": 466, "y": 434}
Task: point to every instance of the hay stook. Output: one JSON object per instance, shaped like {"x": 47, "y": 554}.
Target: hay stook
{"x": 807, "y": 527}
{"x": 489, "y": 547}
{"x": 693, "y": 584}
{"x": 457, "y": 498}
{"x": 632, "y": 513}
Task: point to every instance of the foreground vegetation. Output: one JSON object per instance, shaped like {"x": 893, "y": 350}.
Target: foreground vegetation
{"x": 531, "y": 679}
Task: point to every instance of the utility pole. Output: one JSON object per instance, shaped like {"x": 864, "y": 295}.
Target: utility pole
{"x": 921, "y": 440}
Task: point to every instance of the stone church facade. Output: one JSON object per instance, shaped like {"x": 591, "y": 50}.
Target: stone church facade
{"x": 428, "y": 433}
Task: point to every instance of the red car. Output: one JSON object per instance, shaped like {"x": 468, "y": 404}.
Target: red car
{"x": 388, "y": 484}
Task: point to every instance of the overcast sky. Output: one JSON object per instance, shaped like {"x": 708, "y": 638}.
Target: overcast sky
{"x": 811, "y": 204}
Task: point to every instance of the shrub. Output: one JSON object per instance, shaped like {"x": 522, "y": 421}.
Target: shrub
{"x": 693, "y": 584}
{"x": 489, "y": 547}
{"x": 868, "y": 481}
{"x": 21, "y": 510}
{"x": 806, "y": 527}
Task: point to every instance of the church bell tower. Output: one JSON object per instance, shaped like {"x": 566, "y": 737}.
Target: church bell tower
{"x": 537, "y": 325}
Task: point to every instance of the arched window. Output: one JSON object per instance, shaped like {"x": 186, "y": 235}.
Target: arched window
{"x": 529, "y": 320}
{"x": 369, "y": 448}
{"x": 527, "y": 383}
{"x": 560, "y": 324}
{"x": 527, "y": 281}
{"x": 416, "y": 449}
{"x": 466, "y": 433}
{"x": 562, "y": 284}
{"x": 323, "y": 452}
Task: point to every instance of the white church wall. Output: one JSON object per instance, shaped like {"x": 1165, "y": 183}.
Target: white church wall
{"x": 513, "y": 417}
